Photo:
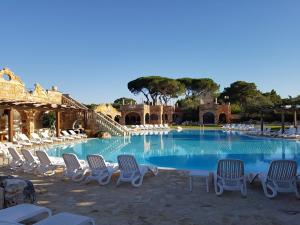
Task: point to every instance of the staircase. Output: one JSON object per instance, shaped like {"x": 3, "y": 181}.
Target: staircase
{"x": 100, "y": 120}
{"x": 108, "y": 124}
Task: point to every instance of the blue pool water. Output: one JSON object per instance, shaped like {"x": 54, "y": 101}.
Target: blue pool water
{"x": 189, "y": 149}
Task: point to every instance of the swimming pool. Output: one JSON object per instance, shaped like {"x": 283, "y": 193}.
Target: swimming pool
{"x": 189, "y": 149}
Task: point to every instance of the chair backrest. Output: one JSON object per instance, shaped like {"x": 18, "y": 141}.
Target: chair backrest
{"x": 14, "y": 154}
{"x": 127, "y": 164}
{"x": 72, "y": 132}
{"x": 43, "y": 158}
{"x": 282, "y": 170}
{"x": 28, "y": 156}
{"x": 35, "y": 136}
{"x": 24, "y": 137}
{"x": 96, "y": 162}
{"x": 65, "y": 133}
{"x": 44, "y": 135}
{"x": 71, "y": 161}
{"x": 230, "y": 168}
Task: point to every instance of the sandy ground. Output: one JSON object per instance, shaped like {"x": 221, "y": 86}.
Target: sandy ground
{"x": 164, "y": 199}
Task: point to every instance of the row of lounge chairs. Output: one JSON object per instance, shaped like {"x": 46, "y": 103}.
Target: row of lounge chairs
{"x": 291, "y": 132}
{"x": 281, "y": 177}
{"x": 238, "y": 127}
{"x": 38, "y": 215}
{"x": 44, "y": 138}
{"x": 149, "y": 127}
{"x": 96, "y": 167}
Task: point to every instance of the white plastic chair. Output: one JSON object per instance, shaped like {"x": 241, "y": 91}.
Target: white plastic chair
{"x": 17, "y": 160}
{"x": 281, "y": 177}
{"x": 67, "y": 135}
{"x": 230, "y": 176}
{"x": 101, "y": 171}
{"x": 131, "y": 172}
{"x": 66, "y": 219}
{"x": 75, "y": 169}
{"x": 31, "y": 163}
{"x": 23, "y": 212}
{"x": 48, "y": 165}
{"x": 37, "y": 138}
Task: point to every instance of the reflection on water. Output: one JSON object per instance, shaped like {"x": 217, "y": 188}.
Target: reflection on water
{"x": 189, "y": 149}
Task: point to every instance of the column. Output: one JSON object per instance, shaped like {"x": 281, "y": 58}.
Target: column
{"x": 57, "y": 123}
{"x": 282, "y": 121}
{"x": 11, "y": 125}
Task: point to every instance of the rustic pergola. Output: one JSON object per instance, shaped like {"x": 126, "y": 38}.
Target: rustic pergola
{"x": 10, "y": 105}
{"x": 282, "y": 110}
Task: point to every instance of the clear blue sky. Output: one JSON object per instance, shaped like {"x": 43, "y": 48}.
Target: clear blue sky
{"x": 91, "y": 49}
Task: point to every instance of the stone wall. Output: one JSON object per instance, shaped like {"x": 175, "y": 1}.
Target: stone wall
{"x": 13, "y": 88}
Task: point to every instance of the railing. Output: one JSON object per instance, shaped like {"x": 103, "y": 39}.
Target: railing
{"x": 68, "y": 100}
{"x": 105, "y": 122}
{"x": 110, "y": 125}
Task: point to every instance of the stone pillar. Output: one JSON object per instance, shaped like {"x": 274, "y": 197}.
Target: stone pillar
{"x": 200, "y": 117}
{"x": 11, "y": 125}
{"x": 27, "y": 122}
{"x": 143, "y": 118}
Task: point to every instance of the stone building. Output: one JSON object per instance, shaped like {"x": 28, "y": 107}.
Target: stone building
{"x": 146, "y": 114}
{"x": 210, "y": 112}
{"x": 109, "y": 111}
{"x": 22, "y": 110}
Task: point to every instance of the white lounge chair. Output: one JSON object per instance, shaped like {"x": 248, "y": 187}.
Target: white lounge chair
{"x": 281, "y": 177}
{"x": 75, "y": 169}
{"x": 31, "y": 162}
{"x": 46, "y": 136}
{"x": 230, "y": 176}
{"x": 25, "y": 139}
{"x": 37, "y": 138}
{"x": 24, "y": 212}
{"x": 17, "y": 160}
{"x": 67, "y": 135}
{"x": 101, "y": 171}
{"x": 131, "y": 172}
{"x": 66, "y": 219}
{"x": 17, "y": 140}
{"x": 74, "y": 134}
{"x": 48, "y": 165}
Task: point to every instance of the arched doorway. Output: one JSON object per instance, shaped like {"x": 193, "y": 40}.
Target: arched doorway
{"x": 153, "y": 117}
{"x": 117, "y": 118}
{"x": 132, "y": 119}
{"x": 208, "y": 118}
{"x": 222, "y": 118}
{"x": 147, "y": 118}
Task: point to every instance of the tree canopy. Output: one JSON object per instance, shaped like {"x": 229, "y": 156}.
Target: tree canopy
{"x": 156, "y": 88}
{"x": 120, "y": 101}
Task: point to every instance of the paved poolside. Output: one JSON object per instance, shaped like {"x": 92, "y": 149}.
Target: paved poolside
{"x": 165, "y": 200}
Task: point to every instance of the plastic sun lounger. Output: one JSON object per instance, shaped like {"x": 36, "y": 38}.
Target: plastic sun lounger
{"x": 31, "y": 162}
{"x": 48, "y": 165}
{"x": 281, "y": 177}
{"x": 66, "y": 219}
{"x": 17, "y": 160}
{"x": 230, "y": 176}
{"x": 37, "y": 138}
{"x": 23, "y": 212}
{"x": 75, "y": 169}
{"x": 101, "y": 171}
{"x": 131, "y": 172}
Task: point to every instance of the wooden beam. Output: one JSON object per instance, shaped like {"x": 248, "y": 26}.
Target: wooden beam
{"x": 57, "y": 124}
{"x": 262, "y": 123}
{"x": 11, "y": 125}
{"x": 282, "y": 121}
{"x": 295, "y": 118}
